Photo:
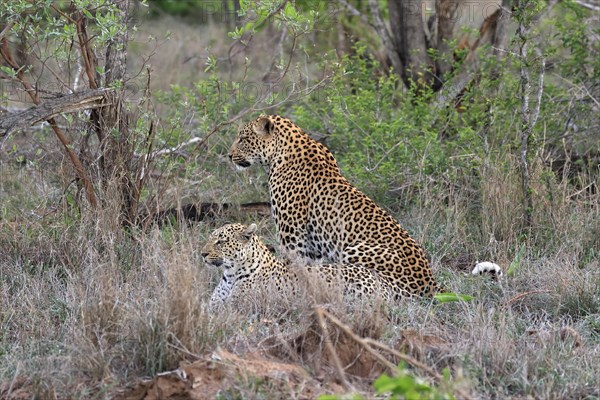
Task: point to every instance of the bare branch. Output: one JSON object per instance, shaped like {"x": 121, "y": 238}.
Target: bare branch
{"x": 86, "y": 52}
{"x": 50, "y": 108}
{"x": 589, "y": 6}
{"x": 355, "y": 13}
{"x": 170, "y": 150}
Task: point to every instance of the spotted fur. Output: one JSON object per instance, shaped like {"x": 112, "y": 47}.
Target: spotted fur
{"x": 320, "y": 215}
{"x": 249, "y": 265}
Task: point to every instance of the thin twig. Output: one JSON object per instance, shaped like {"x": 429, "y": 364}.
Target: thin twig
{"x": 61, "y": 13}
{"x": 404, "y": 357}
{"x": 6, "y": 29}
{"x": 521, "y": 295}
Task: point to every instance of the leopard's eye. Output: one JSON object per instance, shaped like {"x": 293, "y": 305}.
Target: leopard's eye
{"x": 222, "y": 238}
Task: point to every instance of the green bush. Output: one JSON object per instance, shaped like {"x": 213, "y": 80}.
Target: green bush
{"x": 384, "y": 137}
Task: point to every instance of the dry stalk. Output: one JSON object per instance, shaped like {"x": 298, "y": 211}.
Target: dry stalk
{"x": 368, "y": 342}
{"x": 336, "y": 360}
{"x": 181, "y": 347}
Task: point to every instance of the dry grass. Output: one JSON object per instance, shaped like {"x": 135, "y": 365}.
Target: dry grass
{"x": 87, "y": 307}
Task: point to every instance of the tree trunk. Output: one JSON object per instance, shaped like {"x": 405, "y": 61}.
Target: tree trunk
{"x": 408, "y": 32}
{"x": 112, "y": 125}
{"x": 446, "y": 19}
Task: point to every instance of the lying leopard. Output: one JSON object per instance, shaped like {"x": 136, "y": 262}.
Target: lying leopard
{"x": 250, "y": 265}
{"x": 320, "y": 215}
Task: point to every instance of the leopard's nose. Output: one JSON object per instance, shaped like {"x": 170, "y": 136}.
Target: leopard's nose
{"x": 230, "y": 156}
{"x": 204, "y": 254}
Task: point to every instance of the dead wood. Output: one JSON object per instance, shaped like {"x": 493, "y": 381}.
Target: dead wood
{"x": 201, "y": 211}
{"x": 50, "y": 108}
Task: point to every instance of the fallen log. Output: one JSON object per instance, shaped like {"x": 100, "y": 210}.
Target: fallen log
{"x": 201, "y": 211}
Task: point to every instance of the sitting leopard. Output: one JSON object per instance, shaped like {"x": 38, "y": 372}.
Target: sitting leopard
{"x": 250, "y": 265}
{"x": 320, "y": 215}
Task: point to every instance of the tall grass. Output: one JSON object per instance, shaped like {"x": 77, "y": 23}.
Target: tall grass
{"x": 87, "y": 306}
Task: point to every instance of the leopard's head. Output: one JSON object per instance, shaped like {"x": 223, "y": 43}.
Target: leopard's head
{"x": 256, "y": 142}
{"x": 228, "y": 245}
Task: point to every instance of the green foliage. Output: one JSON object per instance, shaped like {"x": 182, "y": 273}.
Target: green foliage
{"x": 299, "y": 17}
{"x": 384, "y": 137}
{"x": 515, "y": 264}
{"x": 35, "y": 21}
{"x": 200, "y": 10}
{"x": 391, "y": 140}
{"x": 403, "y": 386}
{"x": 406, "y": 386}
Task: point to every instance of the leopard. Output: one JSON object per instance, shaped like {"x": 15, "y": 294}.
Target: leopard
{"x": 320, "y": 215}
{"x": 249, "y": 265}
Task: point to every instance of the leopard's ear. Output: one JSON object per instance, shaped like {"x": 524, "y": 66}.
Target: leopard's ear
{"x": 250, "y": 230}
{"x": 263, "y": 126}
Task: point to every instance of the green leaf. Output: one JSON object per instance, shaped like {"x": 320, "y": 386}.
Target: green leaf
{"x": 450, "y": 297}
{"x": 87, "y": 14}
{"x": 289, "y": 11}
{"x": 384, "y": 384}
{"x": 405, "y": 384}
{"x": 8, "y": 71}
{"x": 516, "y": 262}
